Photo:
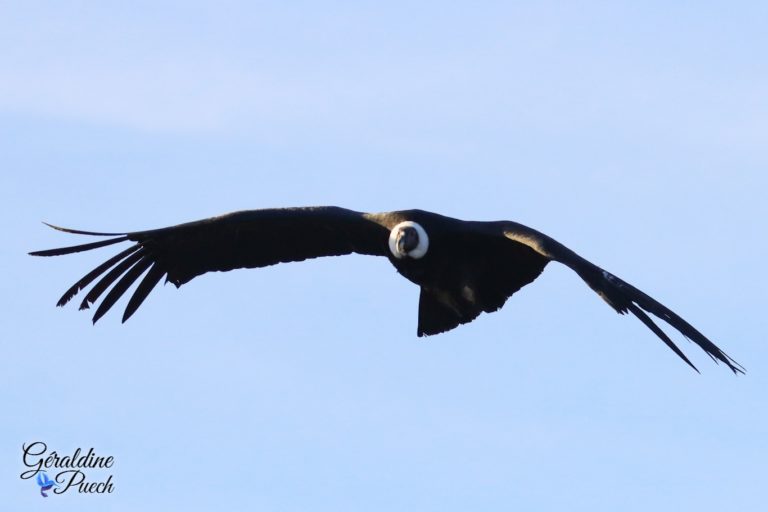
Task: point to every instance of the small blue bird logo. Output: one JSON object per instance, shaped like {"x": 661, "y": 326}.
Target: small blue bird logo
{"x": 45, "y": 483}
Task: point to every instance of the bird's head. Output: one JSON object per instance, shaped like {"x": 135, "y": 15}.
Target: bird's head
{"x": 408, "y": 240}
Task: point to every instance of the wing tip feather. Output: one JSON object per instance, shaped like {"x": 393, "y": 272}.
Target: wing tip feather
{"x": 79, "y": 231}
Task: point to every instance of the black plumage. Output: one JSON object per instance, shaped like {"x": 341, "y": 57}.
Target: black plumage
{"x": 463, "y": 268}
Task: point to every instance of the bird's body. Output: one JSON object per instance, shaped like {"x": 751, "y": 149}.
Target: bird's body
{"x": 463, "y": 268}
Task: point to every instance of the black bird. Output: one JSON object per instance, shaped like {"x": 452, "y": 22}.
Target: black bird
{"x": 462, "y": 267}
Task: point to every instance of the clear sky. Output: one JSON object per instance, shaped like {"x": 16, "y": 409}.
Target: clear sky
{"x": 634, "y": 132}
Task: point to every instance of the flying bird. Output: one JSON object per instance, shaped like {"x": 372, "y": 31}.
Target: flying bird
{"x": 463, "y": 268}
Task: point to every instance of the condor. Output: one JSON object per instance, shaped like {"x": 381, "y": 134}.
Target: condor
{"x": 463, "y": 268}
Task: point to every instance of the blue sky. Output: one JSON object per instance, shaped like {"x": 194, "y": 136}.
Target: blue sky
{"x": 634, "y": 134}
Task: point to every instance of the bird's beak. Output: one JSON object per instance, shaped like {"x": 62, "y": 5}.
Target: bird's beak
{"x": 401, "y": 238}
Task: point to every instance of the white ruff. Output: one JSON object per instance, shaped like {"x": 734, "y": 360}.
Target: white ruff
{"x": 421, "y": 248}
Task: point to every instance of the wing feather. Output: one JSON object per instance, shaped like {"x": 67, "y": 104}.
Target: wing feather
{"x": 105, "y": 282}
{"x": 93, "y": 274}
{"x": 121, "y": 286}
{"x": 246, "y": 239}
{"x": 619, "y": 294}
{"x": 146, "y": 285}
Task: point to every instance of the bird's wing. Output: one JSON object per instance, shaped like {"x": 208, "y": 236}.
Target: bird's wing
{"x": 619, "y": 294}
{"x": 247, "y": 239}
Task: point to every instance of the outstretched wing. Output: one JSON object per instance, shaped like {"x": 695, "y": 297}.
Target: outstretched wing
{"x": 619, "y": 294}
{"x": 247, "y": 239}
